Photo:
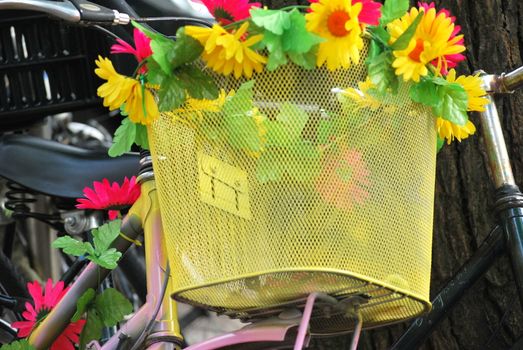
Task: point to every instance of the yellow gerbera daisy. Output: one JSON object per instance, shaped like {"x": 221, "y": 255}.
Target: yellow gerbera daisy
{"x": 361, "y": 97}
{"x": 472, "y": 86}
{"x": 476, "y": 102}
{"x": 120, "y": 89}
{"x": 194, "y": 109}
{"x": 337, "y": 22}
{"x": 434, "y": 39}
{"x": 226, "y": 52}
{"x": 449, "y": 131}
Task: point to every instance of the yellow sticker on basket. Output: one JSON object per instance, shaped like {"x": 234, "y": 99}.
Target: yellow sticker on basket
{"x": 223, "y": 186}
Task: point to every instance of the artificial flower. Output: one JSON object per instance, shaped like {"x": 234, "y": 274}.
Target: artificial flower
{"x": 120, "y": 90}
{"x": 141, "y": 51}
{"x": 261, "y": 128}
{"x": 449, "y": 131}
{"x": 476, "y": 100}
{"x": 113, "y": 197}
{"x": 228, "y": 53}
{"x": 43, "y": 303}
{"x": 433, "y": 41}
{"x": 370, "y": 12}
{"x": 344, "y": 180}
{"x": 340, "y": 24}
{"x": 361, "y": 96}
{"x": 228, "y": 11}
{"x": 452, "y": 60}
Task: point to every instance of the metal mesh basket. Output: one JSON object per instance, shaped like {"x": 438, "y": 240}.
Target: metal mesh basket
{"x": 250, "y": 232}
{"x": 46, "y": 67}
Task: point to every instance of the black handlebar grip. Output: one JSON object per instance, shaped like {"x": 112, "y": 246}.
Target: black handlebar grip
{"x": 94, "y": 13}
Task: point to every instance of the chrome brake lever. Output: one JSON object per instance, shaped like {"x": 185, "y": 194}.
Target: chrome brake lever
{"x": 64, "y": 10}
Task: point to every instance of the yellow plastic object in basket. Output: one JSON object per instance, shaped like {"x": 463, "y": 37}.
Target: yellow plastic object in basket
{"x": 240, "y": 242}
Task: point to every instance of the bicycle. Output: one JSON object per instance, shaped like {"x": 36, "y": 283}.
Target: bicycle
{"x": 147, "y": 210}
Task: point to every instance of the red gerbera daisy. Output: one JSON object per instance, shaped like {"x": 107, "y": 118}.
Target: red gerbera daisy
{"x": 451, "y": 60}
{"x": 228, "y": 11}
{"x": 141, "y": 51}
{"x": 113, "y": 197}
{"x": 43, "y": 303}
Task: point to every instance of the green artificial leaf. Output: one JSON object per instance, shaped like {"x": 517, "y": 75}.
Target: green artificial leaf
{"x": 425, "y": 92}
{"x": 124, "y": 138}
{"x": 453, "y": 101}
{"x": 305, "y": 60}
{"x": 185, "y": 50}
{"x": 83, "y": 303}
{"x": 171, "y": 94}
{"x": 293, "y": 41}
{"x": 107, "y": 259}
{"x": 104, "y": 235}
{"x": 269, "y": 167}
{"x": 382, "y": 74}
{"x": 155, "y": 75}
{"x": 70, "y": 245}
{"x": 141, "y": 138}
{"x": 112, "y": 306}
{"x": 297, "y": 38}
{"x": 148, "y": 33}
{"x": 403, "y": 41}
{"x": 241, "y": 102}
{"x": 288, "y": 126}
{"x": 325, "y": 130}
{"x": 305, "y": 164}
{"x": 393, "y": 9}
{"x": 243, "y": 133}
{"x": 198, "y": 84}
{"x": 374, "y": 51}
{"x": 274, "y": 21}
{"x": 92, "y": 329}
{"x": 163, "y": 51}
{"x": 17, "y": 345}
{"x": 380, "y": 34}
{"x": 439, "y": 143}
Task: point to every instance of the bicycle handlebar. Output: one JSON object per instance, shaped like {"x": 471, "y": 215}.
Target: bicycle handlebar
{"x": 74, "y": 11}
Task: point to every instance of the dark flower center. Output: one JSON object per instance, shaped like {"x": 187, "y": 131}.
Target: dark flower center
{"x": 223, "y": 16}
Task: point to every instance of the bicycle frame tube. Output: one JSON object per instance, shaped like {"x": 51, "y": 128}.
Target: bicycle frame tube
{"x": 165, "y": 332}
{"x": 144, "y": 213}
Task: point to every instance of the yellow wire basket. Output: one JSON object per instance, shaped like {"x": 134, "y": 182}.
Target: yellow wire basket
{"x": 291, "y": 184}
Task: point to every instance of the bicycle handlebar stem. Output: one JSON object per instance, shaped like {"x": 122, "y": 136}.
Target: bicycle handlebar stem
{"x": 494, "y": 140}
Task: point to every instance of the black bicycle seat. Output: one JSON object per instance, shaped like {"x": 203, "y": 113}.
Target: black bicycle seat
{"x": 59, "y": 170}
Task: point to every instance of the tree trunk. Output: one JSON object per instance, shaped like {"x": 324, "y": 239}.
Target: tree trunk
{"x": 489, "y": 316}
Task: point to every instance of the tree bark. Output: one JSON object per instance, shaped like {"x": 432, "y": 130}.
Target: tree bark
{"x": 489, "y": 316}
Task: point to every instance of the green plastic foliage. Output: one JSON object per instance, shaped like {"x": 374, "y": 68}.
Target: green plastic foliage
{"x": 288, "y": 153}
{"x": 403, "y": 41}
{"x": 382, "y": 74}
{"x": 103, "y": 310}
{"x": 17, "y": 345}
{"x": 127, "y": 134}
{"x": 448, "y": 100}
{"x": 100, "y": 253}
{"x": 285, "y": 36}
{"x": 393, "y": 9}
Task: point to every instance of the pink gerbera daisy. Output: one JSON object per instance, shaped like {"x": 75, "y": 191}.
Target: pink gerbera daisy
{"x": 451, "y": 60}
{"x": 113, "y": 197}
{"x": 228, "y": 11}
{"x": 142, "y": 48}
{"x": 345, "y": 179}
{"x": 42, "y": 305}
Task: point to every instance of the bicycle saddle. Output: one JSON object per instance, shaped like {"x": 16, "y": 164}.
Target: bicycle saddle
{"x": 59, "y": 170}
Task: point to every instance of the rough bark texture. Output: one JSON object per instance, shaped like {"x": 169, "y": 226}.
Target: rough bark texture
{"x": 489, "y": 316}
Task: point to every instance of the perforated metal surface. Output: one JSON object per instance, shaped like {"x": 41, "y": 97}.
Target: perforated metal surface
{"x": 360, "y": 224}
